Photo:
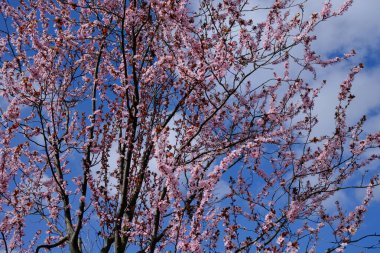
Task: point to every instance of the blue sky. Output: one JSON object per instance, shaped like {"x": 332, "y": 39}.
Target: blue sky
{"x": 358, "y": 29}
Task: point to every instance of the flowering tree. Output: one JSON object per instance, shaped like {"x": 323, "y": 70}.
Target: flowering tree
{"x": 157, "y": 126}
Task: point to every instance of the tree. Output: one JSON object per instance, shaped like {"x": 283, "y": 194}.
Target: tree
{"x": 157, "y": 126}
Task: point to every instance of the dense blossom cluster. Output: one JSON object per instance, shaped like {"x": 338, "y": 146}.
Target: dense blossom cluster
{"x": 161, "y": 126}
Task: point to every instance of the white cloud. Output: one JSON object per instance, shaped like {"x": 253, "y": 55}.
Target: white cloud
{"x": 357, "y": 29}
{"x": 222, "y": 188}
{"x": 340, "y": 196}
